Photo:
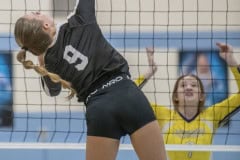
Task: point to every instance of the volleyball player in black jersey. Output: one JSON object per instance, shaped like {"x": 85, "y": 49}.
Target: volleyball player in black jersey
{"x": 77, "y": 56}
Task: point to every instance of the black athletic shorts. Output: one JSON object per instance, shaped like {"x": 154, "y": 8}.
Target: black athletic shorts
{"x": 117, "y": 108}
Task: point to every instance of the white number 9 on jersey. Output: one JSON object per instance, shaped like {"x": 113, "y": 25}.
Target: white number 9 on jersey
{"x": 74, "y": 56}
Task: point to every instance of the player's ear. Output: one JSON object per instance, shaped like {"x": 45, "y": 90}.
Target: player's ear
{"x": 175, "y": 99}
{"x": 45, "y": 26}
{"x": 202, "y": 98}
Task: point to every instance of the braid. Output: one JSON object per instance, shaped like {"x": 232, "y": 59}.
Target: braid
{"x": 21, "y": 57}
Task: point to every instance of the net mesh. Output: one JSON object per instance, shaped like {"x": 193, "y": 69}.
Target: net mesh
{"x": 171, "y": 27}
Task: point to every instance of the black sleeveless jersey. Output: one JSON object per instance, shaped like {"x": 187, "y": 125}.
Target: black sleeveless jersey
{"x": 81, "y": 54}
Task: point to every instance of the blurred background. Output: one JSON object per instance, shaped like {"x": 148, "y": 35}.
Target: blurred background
{"x": 177, "y": 29}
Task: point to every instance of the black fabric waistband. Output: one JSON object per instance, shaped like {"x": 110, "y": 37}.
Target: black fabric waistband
{"x": 110, "y": 82}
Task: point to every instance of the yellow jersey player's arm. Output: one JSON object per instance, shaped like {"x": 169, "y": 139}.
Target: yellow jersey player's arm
{"x": 152, "y": 68}
{"x": 141, "y": 81}
{"x": 226, "y": 108}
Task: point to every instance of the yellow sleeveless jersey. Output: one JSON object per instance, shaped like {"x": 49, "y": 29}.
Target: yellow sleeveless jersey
{"x": 199, "y": 130}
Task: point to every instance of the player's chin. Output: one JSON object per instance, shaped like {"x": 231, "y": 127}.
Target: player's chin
{"x": 190, "y": 98}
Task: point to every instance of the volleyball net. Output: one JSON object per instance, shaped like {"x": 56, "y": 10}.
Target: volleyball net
{"x": 179, "y": 30}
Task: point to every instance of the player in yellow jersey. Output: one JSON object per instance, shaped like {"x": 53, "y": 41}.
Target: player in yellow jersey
{"x": 189, "y": 122}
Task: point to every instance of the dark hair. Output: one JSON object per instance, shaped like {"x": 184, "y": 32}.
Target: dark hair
{"x": 175, "y": 98}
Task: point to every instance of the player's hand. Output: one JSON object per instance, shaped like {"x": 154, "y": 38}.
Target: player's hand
{"x": 226, "y": 53}
{"x": 152, "y": 65}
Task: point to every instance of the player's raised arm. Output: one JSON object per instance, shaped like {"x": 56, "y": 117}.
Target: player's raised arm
{"x": 228, "y": 107}
{"x": 152, "y": 68}
{"x": 226, "y": 53}
{"x": 152, "y": 65}
{"x": 84, "y": 10}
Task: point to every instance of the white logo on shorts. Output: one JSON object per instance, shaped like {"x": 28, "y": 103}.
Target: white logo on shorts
{"x": 111, "y": 82}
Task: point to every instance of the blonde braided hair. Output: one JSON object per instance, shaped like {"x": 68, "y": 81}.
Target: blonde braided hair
{"x": 21, "y": 57}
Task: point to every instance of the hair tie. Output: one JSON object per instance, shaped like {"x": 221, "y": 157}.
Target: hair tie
{"x": 25, "y": 48}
